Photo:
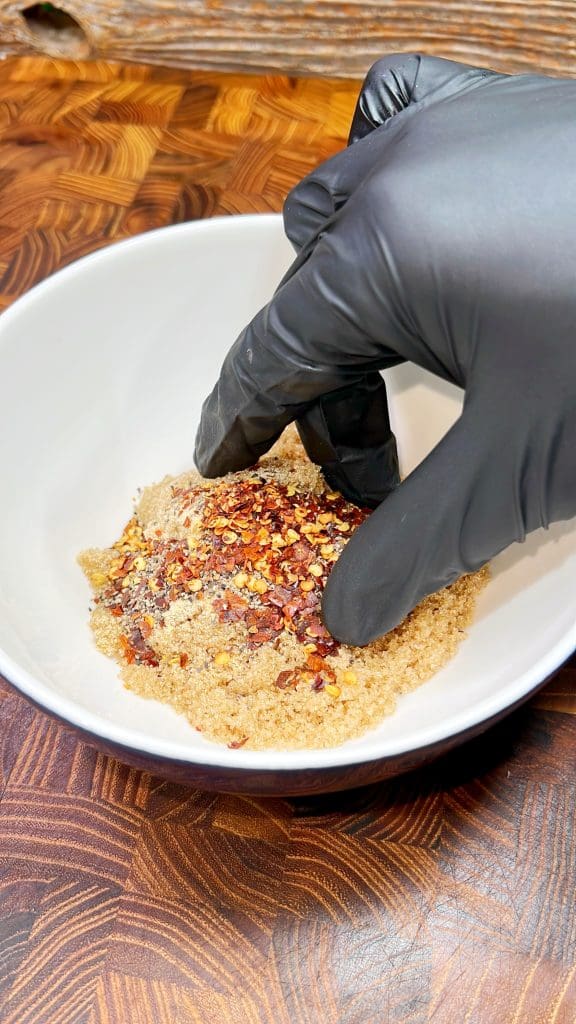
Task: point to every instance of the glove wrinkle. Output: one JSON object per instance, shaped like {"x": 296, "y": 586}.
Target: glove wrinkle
{"x": 387, "y": 94}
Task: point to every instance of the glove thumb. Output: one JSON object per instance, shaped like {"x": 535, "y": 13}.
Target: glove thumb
{"x": 463, "y": 504}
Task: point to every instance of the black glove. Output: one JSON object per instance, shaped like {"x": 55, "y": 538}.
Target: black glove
{"x": 445, "y": 235}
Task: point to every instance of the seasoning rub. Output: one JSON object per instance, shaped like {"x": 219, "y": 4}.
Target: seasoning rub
{"x": 210, "y": 600}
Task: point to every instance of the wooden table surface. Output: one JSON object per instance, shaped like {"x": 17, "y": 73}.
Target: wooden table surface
{"x": 446, "y": 896}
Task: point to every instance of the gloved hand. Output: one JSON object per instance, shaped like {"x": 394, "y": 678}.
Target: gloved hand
{"x": 445, "y": 235}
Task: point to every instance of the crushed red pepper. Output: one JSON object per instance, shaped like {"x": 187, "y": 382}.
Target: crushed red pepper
{"x": 236, "y": 744}
{"x": 261, "y": 552}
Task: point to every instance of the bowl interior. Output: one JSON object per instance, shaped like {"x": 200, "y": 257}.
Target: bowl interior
{"x": 104, "y": 368}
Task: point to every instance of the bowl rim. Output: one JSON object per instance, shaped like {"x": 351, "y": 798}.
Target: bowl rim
{"x": 217, "y": 755}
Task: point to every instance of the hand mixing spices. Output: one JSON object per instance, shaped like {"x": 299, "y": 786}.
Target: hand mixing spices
{"x": 444, "y": 235}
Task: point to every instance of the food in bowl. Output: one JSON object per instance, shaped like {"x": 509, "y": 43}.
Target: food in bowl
{"x": 210, "y": 602}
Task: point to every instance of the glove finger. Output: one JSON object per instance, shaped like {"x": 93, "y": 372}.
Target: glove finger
{"x": 387, "y": 90}
{"x": 400, "y": 80}
{"x": 462, "y": 505}
{"x": 310, "y": 341}
{"x": 393, "y": 86}
{"x": 321, "y": 194}
{"x": 348, "y": 433}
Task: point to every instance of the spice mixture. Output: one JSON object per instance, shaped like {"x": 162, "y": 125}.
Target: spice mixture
{"x": 210, "y": 601}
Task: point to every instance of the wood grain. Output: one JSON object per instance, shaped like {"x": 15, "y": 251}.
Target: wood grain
{"x": 333, "y": 37}
{"x": 443, "y": 896}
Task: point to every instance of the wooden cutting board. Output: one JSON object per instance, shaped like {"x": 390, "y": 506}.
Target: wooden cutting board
{"x": 329, "y": 37}
{"x": 446, "y": 896}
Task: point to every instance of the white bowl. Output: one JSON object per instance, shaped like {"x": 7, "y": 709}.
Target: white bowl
{"x": 104, "y": 367}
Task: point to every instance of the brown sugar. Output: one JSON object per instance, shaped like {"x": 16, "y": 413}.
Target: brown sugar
{"x": 210, "y": 601}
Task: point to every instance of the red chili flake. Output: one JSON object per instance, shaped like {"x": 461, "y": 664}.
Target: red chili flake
{"x": 236, "y": 744}
{"x": 184, "y": 659}
{"x": 293, "y": 606}
{"x": 301, "y": 552}
{"x": 315, "y": 628}
{"x": 127, "y": 649}
{"x": 316, "y": 663}
{"x": 279, "y": 596}
{"x": 284, "y": 679}
{"x": 145, "y": 628}
{"x": 260, "y": 637}
{"x": 230, "y": 608}
{"x": 143, "y": 654}
{"x": 269, "y": 618}
{"x": 326, "y": 647}
{"x": 252, "y": 618}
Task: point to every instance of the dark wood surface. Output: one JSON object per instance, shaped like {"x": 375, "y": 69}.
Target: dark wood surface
{"x": 445, "y": 896}
{"x": 330, "y": 37}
